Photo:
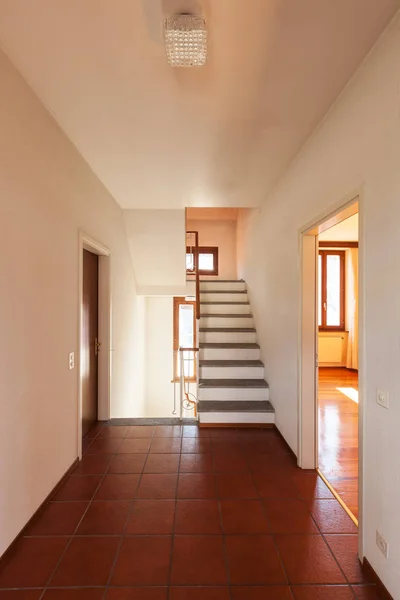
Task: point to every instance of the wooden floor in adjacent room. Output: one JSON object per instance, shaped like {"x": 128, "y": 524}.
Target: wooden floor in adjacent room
{"x": 338, "y": 432}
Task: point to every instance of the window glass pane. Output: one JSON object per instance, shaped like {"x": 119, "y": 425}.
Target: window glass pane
{"x": 206, "y": 262}
{"x": 333, "y": 290}
{"x": 189, "y": 262}
{"x": 186, "y": 337}
{"x": 319, "y": 290}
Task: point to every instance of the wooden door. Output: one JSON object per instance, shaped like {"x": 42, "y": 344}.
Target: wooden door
{"x": 89, "y": 339}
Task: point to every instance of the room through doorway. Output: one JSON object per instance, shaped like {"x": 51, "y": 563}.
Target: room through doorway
{"x": 337, "y": 299}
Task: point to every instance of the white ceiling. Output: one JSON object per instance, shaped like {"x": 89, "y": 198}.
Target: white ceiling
{"x": 218, "y": 135}
{"x": 345, "y": 231}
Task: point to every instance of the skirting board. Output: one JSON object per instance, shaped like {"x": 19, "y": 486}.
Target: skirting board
{"x": 381, "y": 590}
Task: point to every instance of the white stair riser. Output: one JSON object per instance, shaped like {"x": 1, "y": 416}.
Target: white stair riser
{"x": 228, "y": 337}
{"x": 224, "y": 309}
{"x": 236, "y": 417}
{"x": 229, "y": 354}
{"x": 223, "y": 297}
{"x": 233, "y": 394}
{"x": 222, "y": 285}
{"x": 211, "y": 321}
{"x": 232, "y": 372}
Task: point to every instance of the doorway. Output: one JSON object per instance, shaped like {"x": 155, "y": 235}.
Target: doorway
{"x": 317, "y": 381}
{"x": 90, "y": 340}
{"x": 337, "y": 392}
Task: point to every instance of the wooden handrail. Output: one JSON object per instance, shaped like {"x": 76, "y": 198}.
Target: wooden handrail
{"x": 189, "y": 349}
{"x": 196, "y": 269}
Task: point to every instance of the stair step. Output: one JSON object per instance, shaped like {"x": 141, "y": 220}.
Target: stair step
{"x": 227, "y": 315}
{"x": 235, "y": 406}
{"x": 229, "y": 345}
{"x": 225, "y": 302}
{"x": 227, "y": 329}
{"x": 233, "y": 383}
{"x": 223, "y": 291}
{"x": 231, "y": 363}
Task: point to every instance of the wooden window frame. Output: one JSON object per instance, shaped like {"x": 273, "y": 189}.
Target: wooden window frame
{"x": 342, "y": 254}
{"x": 205, "y": 250}
{"x": 178, "y": 301}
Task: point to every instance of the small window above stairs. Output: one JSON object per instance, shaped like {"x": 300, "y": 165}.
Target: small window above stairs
{"x": 232, "y": 387}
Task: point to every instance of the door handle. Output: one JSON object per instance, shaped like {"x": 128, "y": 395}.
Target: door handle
{"x": 97, "y": 345}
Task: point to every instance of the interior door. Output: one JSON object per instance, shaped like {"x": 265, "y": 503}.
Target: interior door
{"x": 89, "y": 340}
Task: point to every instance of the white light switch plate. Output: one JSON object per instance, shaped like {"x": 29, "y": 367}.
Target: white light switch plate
{"x": 71, "y": 361}
{"x": 382, "y": 398}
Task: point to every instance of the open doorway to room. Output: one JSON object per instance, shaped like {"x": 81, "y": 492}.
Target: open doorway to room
{"x": 337, "y": 309}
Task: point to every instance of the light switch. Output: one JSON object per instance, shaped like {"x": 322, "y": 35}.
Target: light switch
{"x": 71, "y": 360}
{"x": 382, "y": 398}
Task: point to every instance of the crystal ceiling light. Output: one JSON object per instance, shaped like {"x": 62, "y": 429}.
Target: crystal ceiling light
{"x": 185, "y": 40}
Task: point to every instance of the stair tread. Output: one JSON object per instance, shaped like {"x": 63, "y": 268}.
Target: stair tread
{"x": 231, "y": 363}
{"x": 227, "y": 329}
{"x": 222, "y": 281}
{"x": 233, "y": 383}
{"x": 229, "y": 345}
{"x": 235, "y": 406}
{"x": 226, "y": 302}
{"x": 223, "y": 291}
{"x": 228, "y": 315}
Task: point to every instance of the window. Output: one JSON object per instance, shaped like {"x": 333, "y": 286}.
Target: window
{"x": 184, "y": 336}
{"x": 208, "y": 260}
{"x": 331, "y": 290}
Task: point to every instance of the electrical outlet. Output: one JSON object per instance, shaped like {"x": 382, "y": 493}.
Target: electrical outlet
{"x": 71, "y": 360}
{"x": 382, "y": 398}
{"x": 382, "y": 544}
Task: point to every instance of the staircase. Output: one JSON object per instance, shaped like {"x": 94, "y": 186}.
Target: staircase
{"x": 232, "y": 388}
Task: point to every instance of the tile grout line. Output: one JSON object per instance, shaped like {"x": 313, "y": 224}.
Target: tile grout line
{"x": 174, "y": 521}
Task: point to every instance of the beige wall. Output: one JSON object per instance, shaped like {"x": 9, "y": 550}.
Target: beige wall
{"x": 221, "y": 233}
{"x": 47, "y": 194}
{"x": 356, "y": 148}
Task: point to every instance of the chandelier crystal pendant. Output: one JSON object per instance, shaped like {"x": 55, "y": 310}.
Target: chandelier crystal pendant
{"x": 185, "y": 40}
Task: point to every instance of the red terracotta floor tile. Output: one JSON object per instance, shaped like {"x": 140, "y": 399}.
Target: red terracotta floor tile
{"x": 198, "y": 560}
{"x": 243, "y": 516}
{"x": 199, "y": 593}
{"x": 118, "y": 487}
{"x": 162, "y": 463}
{"x": 289, "y": 516}
{"x": 152, "y": 517}
{"x": 310, "y": 485}
{"x": 196, "y": 445}
{"x": 157, "y": 486}
{"x": 331, "y": 517}
{"x": 307, "y": 559}
{"x": 75, "y": 594}
{"x": 367, "y": 592}
{"x": 141, "y": 431}
{"x": 94, "y": 464}
{"x": 236, "y": 485}
{"x": 105, "y": 446}
{"x": 230, "y": 463}
{"x": 128, "y": 463}
{"x": 31, "y": 562}
{"x": 105, "y": 517}
{"x": 113, "y": 432}
{"x": 345, "y": 549}
{"x": 137, "y": 593}
{"x": 94, "y": 431}
{"x": 271, "y": 592}
{"x": 196, "y": 463}
{"x": 143, "y": 561}
{"x": 168, "y": 431}
{"x": 272, "y": 463}
{"x": 191, "y": 431}
{"x": 253, "y": 560}
{"x": 322, "y": 592}
{"x": 168, "y": 445}
{"x": 78, "y": 487}
{"x": 222, "y": 446}
{"x": 197, "y": 517}
{"x": 87, "y": 561}
{"x": 57, "y": 518}
{"x": 275, "y": 486}
{"x": 196, "y": 486}
{"x": 20, "y": 594}
{"x": 135, "y": 446}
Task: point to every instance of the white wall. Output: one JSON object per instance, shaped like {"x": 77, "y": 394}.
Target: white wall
{"x": 221, "y": 233}
{"x": 157, "y": 243}
{"x": 356, "y": 148}
{"x": 48, "y": 193}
